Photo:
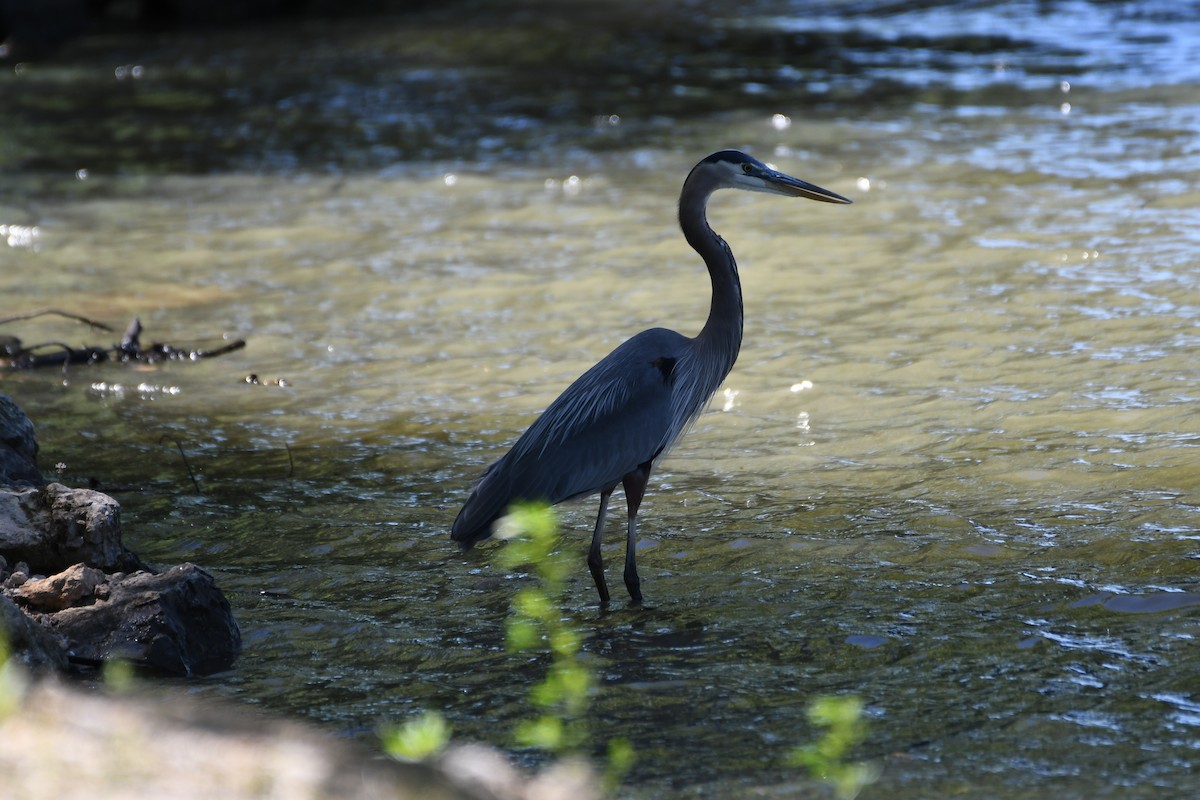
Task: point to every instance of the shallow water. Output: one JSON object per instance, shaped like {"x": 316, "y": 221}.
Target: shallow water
{"x": 952, "y": 473}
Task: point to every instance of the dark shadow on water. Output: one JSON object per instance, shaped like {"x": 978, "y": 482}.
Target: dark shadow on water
{"x": 509, "y": 81}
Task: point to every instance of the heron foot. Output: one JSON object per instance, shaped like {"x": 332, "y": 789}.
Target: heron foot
{"x": 634, "y": 585}
{"x": 596, "y": 567}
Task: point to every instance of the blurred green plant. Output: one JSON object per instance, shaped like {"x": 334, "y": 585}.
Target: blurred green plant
{"x": 13, "y": 680}
{"x": 621, "y": 756}
{"x": 118, "y": 676}
{"x": 538, "y": 620}
{"x": 825, "y": 759}
{"x": 418, "y": 739}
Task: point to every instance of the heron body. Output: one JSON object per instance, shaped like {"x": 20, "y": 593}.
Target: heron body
{"x": 610, "y": 426}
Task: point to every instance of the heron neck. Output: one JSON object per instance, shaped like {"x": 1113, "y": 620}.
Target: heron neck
{"x": 721, "y": 337}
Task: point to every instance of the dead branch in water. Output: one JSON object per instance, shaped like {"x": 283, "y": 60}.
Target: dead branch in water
{"x": 15, "y": 354}
{"x": 47, "y": 311}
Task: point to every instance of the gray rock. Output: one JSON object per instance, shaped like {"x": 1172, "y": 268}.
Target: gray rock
{"x": 18, "y": 447}
{"x": 177, "y": 622}
{"x": 16, "y": 579}
{"x": 99, "y": 597}
{"x": 31, "y": 643}
{"x": 54, "y": 527}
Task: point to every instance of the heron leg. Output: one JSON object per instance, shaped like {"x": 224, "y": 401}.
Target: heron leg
{"x": 595, "y": 561}
{"x": 635, "y": 487}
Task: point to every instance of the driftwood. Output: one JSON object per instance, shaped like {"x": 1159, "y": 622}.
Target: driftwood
{"x": 15, "y": 354}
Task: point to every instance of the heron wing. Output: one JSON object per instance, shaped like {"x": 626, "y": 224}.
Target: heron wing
{"x": 613, "y": 418}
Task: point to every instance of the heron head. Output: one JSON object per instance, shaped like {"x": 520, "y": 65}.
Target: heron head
{"x": 736, "y": 170}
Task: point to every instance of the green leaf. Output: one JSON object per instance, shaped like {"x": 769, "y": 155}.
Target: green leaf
{"x": 417, "y": 739}
{"x": 533, "y": 604}
{"x": 13, "y": 680}
{"x": 842, "y": 717}
{"x": 621, "y": 756}
{"x": 545, "y": 732}
{"x": 565, "y": 641}
{"x": 521, "y": 634}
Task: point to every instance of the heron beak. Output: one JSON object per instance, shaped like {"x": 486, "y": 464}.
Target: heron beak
{"x": 794, "y": 187}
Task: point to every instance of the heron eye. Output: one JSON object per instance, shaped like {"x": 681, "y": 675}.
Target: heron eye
{"x": 746, "y": 168}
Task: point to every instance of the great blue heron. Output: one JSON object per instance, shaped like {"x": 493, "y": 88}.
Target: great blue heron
{"x": 616, "y": 419}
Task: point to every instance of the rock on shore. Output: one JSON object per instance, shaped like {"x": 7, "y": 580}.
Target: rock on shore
{"x": 70, "y": 592}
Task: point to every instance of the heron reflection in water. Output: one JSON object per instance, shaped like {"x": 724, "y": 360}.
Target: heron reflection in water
{"x": 612, "y": 424}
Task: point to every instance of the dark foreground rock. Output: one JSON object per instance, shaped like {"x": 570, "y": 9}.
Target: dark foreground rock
{"x": 72, "y": 592}
{"x": 31, "y": 644}
{"x": 18, "y": 446}
{"x": 177, "y": 622}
